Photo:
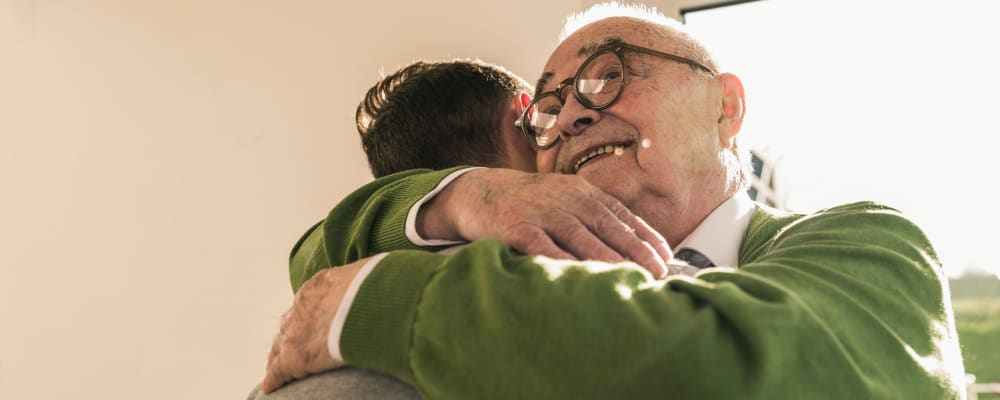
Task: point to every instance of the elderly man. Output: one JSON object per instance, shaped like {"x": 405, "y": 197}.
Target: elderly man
{"x": 848, "y": 302}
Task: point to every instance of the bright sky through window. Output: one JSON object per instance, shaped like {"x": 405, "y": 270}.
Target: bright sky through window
{"x": 892, "y": 101}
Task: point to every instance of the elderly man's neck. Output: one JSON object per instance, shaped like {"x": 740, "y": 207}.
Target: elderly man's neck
{"x": 676, "y": 221}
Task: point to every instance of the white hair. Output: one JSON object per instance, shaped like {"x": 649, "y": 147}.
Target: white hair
{"x": 690, "y": 46}
{"x": 607, "y": 9}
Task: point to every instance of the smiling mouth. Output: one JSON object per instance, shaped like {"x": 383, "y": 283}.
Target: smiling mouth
{"x": 598, "y": 152}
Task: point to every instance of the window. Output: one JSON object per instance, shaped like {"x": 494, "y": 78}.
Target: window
{"x": 891, "y": 101}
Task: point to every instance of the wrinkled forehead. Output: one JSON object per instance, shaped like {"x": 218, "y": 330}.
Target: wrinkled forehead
{"x": 597, "y": 36}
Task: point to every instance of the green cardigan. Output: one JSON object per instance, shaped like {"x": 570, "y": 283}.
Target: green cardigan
{"x": 848, "y": 302}
{"x": 367, "y": 222}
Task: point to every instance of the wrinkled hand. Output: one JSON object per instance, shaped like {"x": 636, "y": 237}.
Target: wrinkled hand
{"x": 300, "y": 348}
{"x": 555, "y": 215}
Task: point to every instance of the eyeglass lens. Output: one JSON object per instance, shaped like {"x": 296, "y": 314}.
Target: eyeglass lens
{"x": 597, "y": 85}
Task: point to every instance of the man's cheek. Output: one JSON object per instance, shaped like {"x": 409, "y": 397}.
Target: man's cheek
{"x": 545, "y": 160}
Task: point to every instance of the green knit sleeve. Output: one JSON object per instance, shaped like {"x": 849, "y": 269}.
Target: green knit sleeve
{"x": 369, "y": 221}
{"x": 846, "y": 303}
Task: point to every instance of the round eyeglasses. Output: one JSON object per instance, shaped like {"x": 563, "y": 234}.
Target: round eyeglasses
{"x": 597, "y": 85}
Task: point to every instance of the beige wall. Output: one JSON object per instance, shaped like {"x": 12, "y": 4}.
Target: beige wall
{"x": 159, "y": 158}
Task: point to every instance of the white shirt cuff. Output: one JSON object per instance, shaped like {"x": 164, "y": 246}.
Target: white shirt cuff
{"x": 411, "y": 217}
{"x": 340, "y": 317}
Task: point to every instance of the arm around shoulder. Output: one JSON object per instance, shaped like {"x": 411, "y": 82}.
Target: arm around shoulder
{"x": 369, "y": 221}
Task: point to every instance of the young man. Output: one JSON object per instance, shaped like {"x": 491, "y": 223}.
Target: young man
{"x": 423, "y": 116}
{"x": 848, "y": 302}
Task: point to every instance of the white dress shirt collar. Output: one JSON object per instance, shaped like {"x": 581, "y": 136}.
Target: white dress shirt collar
{"x": 721, "y": 233}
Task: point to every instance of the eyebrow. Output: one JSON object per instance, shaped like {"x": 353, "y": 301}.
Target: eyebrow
{"x": 542, "y": 81}
{"x": 598, "y": 45}
{"x": 585, "y": 51}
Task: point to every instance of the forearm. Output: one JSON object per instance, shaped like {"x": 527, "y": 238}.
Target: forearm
{"x": 370, "y": 220}
{"x": 489, "y": 322}
{"x": 555, "y": 215}
{"x": 512, "y": 329}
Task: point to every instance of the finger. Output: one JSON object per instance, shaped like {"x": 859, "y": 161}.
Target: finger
{"x": 642, "y": 253}
{"x": 275, "y": 349}
{"x": 270, "y": 383}
{"x": 267, "y": 385}
{"x": 532, "y": 240}
{"x": 651, "y": 236}
{"x": 285, "y": 364}
{"x": 571, "y": 234}
{"x": 609, "y": 222}
{"x": 657, "y": 269}
{"x": 273, "y": 378}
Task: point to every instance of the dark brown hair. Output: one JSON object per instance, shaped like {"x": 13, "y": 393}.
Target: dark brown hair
{"x": 437, "y": 115}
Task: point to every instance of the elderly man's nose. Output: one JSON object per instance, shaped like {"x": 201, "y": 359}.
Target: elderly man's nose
{"x": 575, "y": 117}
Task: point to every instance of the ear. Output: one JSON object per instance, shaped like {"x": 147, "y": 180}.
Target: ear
{"x": 521, "y": 101}
{"x": 733, "y": 109}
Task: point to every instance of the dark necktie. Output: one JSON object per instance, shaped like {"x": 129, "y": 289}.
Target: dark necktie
{"x": 694, "y": 258}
